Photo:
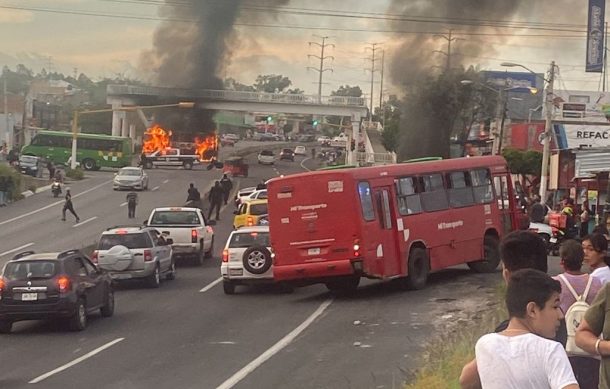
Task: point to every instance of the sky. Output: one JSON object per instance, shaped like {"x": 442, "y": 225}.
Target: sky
{"x": 110, "y": 46}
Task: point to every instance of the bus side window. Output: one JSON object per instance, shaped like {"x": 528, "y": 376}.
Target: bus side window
{"x": 501, "y": 188}
{"x": 408, "y": 197}
{"x": 366, "y": 201}
{"x": 434, "y": 197}
{"x": 460, "y": 192}
{"x": 481, "y": 184}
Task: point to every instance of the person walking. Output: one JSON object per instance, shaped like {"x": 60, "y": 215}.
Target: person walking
{"x": 227, "y": 185}
{"x": 68, "y": 207}
{"x": 215, "y": 197}
{"x": 51, "y": 169}
{"x": 132, "y": 201}
{"x": 3, "y": 190}
{"x": 585, "y": 216}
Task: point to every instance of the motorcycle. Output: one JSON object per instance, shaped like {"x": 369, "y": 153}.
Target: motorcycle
{"x": 56, "y": 189}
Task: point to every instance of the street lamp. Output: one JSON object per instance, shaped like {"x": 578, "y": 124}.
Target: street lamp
{"x": 548, "y": 105}
{"x": 184, "y": 104}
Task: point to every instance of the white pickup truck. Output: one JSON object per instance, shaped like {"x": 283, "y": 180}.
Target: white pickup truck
{"x": 339, "y": 140}
{"x": 192, "y": 236}
{"x": 170, "y": 157}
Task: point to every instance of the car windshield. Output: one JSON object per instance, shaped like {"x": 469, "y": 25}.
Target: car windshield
{"x": 186, "y": 218}
{"x": 28, "y": 158}
{"x": 258, "y": 209}
{"x": 131, "y": 241}
{"x": 266, "y": 152}
{"x": 287, "y": 151}
{"x": 129, "y": 172}
{"x": 27, "y": 270}
{"x": 248, "y": 239}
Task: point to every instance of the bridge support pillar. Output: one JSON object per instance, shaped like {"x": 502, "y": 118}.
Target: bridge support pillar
{"x": 124, "y": 125}
{"x": 295, "y": 127}
{"x": 351, "y": 155}
{"x": 132, "y": 135}
{"x": 116, "y": 119}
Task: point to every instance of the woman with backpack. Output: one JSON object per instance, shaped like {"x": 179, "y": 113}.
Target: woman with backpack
{"x": 578, "y": 290}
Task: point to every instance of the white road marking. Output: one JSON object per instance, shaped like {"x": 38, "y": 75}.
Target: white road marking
{"x": 285, "y": 341}
{"x": 303, "y": 166}
{"x": 211, "y": 285}
{"x": 84, "y": 221}
{"x": 53, "y": 204}
{"x": 123, "y": 204}
{"x": 155, "y": 188}
{"x": 76, "y": 361}
{"x": 17, "y": 249}
{"x": 165, "y": 181}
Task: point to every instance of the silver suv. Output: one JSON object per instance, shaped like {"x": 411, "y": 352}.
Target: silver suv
{"x": 135, "y": 252}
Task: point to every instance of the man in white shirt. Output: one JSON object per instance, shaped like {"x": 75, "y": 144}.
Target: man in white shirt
{"x": 523, "y": 356}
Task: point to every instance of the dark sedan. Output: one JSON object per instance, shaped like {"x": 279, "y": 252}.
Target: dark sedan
{"x": 287, "y": 154}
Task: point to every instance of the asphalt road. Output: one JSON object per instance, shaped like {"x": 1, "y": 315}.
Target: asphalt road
{"x": 179, "y": 336}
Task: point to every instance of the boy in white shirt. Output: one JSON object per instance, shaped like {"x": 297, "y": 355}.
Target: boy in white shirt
{"x": 523, "y": 356}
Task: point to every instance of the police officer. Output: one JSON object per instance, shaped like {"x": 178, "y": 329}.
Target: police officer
{"x": 193, "y": 193}
{"x": 68, "y": 207}
{"x": 227, "y": 185}
{"x": 215, "y": 197}
{"x": 132, "y": 201}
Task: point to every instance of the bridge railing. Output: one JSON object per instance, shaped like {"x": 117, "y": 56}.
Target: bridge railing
{"x": 286, "y": 98}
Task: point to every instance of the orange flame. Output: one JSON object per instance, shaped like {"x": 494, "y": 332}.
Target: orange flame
{"x": 207, "y": 148}
{"x": 156, "y": 138}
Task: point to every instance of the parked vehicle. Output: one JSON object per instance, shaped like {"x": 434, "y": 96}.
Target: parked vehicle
{"x": 128, "y": 253}
{"x": 64, "y": 285}
{"x": 266, "y": 157}
{"x": 287, "y": 154}
{"x": 246, "y": 258}
{"x": 248, "y": 213}
{"x": 192, "y": 236}
{"x": 130, "y": 178}
{"x": 31, "y": 165}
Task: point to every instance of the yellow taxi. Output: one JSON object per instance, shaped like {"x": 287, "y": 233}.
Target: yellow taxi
{"x": 249, "y": 212}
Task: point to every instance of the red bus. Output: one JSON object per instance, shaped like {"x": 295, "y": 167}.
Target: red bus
{"x": 394, "y": 221}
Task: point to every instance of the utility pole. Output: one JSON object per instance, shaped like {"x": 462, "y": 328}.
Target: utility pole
{"x": 548, "y": 128}
{"x": 373, "y": 47}
{"x": 450, "y": 39}
{"x": 381, "y": 107}
{"x": 7, "y": 137}
{"x": 322, "y": 58}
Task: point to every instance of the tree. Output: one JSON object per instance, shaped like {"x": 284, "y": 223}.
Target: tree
{"x": 391, "y": 126}
{"x": 346, "y": 90}
{"x": 295, "y": 91}
{"x": 271, "y": 83}
{"x": 233, "y": 84}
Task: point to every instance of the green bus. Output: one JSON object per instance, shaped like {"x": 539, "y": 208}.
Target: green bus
{"x": 93, "y": 151}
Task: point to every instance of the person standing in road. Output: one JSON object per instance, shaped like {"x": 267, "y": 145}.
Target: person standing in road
{"x": 3, "y": 190}
{"x": 313, "y": 153}
{"x": 193, "y": 193}
{"x": 227, "y": 185}
{"x": 51, "y": 169}
{"x": 215, "y": 197}
{"x": 132, "y": 201}
{"x": 68, "y": 207}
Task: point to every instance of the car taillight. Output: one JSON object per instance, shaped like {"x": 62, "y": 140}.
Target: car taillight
{"x": 2, "y": 286}
{"x": 94, "y": 256}
{"x": 250, "y": 221}
{"x": 147, "y": 256}
{"x": 225, "y": 255}
{"x": 63, "y": 284}
{"x": 193, "y": 236}
{"x": 356, "y": 248}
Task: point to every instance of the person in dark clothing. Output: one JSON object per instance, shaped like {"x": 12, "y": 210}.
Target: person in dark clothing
{"x": 68, "y": 207}
{"x": 193, "y": 194}
{"x": 227, "y": 185}
{"x": 585, "y": 217}
{"x": 313, "y": 153}
{"x": 3, "y": 191}
{"x": 132, "y": 201}
{"x": 261, "y": 185}
{"x": 215, "y": 197}
{"x": 537, "y": 211}
{"x": 51, "y": 169}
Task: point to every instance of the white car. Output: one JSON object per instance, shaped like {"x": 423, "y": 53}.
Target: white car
{"x": 257, "y": 195}
{"x": 300, "y": 150}
{"x": 247, "y": 258}
{"x": 243, "y": 194}
{"x": 266, "y": 157}
{"x": 323, "y": 140}
{"x": 130, "y": 178}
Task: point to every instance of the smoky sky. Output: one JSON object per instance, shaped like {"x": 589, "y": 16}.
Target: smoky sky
{"x": 415, "y": 55}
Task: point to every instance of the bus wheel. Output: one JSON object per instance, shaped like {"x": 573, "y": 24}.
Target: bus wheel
{"x": 491, "y": 259}
{"x": 89, "y": 164}
{"x": 418, "y": 268}
{"x": 344, "y": 285}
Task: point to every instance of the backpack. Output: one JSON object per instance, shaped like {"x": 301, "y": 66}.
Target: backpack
{"x": 573, "y": 317}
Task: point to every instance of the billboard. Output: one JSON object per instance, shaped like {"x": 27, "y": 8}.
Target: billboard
{"x": 520, "y": 81}
{"x": 595, "y": 36}
{"x": 521, "y": 104}
{"x": 577, "y": 136}
{"x": 574, "y": 105}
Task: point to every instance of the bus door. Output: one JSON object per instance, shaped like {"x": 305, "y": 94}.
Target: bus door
{"x": 502, "y": 195}
{"x": 386, "y": 254}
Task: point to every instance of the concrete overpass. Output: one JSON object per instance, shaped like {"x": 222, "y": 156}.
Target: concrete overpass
{"x": 222, "y": 100}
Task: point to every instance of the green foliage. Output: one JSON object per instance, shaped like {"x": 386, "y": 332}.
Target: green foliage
{"x": 75, "y": 174}
{"x": 14, "y": 181}
{"x": 523, "y": 162}
{"x": 271, "y": 83}
{"x": 346, "y": 90}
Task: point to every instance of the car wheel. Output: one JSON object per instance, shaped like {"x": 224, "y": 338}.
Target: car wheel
{"x": 171, "y": 275}
{"x": 228, "y": 287}
{"x": 108, "y": 309}
{"x": 5, "y": 327}
{"x": 491, "y": 256}
{"x": 78, "y": 321}
{"x": 257, "y": 259}
{"x": 89, "y": 164}
{"x": 418, "y": 269}
{"x": 154, "y": 280}
{"x": 210, "y": 252}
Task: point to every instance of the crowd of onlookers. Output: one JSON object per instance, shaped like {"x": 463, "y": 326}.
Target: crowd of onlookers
{"x": 557, "y": 334}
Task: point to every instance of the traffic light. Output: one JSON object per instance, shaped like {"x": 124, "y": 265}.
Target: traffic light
{"x": 314, "y": 123}
{"x": 269, "y": 119}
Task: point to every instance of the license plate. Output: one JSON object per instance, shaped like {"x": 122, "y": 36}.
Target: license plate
{"x": 553, "y": 240}
{"x": 29, "y": 296}
{"x": 314, "y": 251}
{"x": 236, "y": 272}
